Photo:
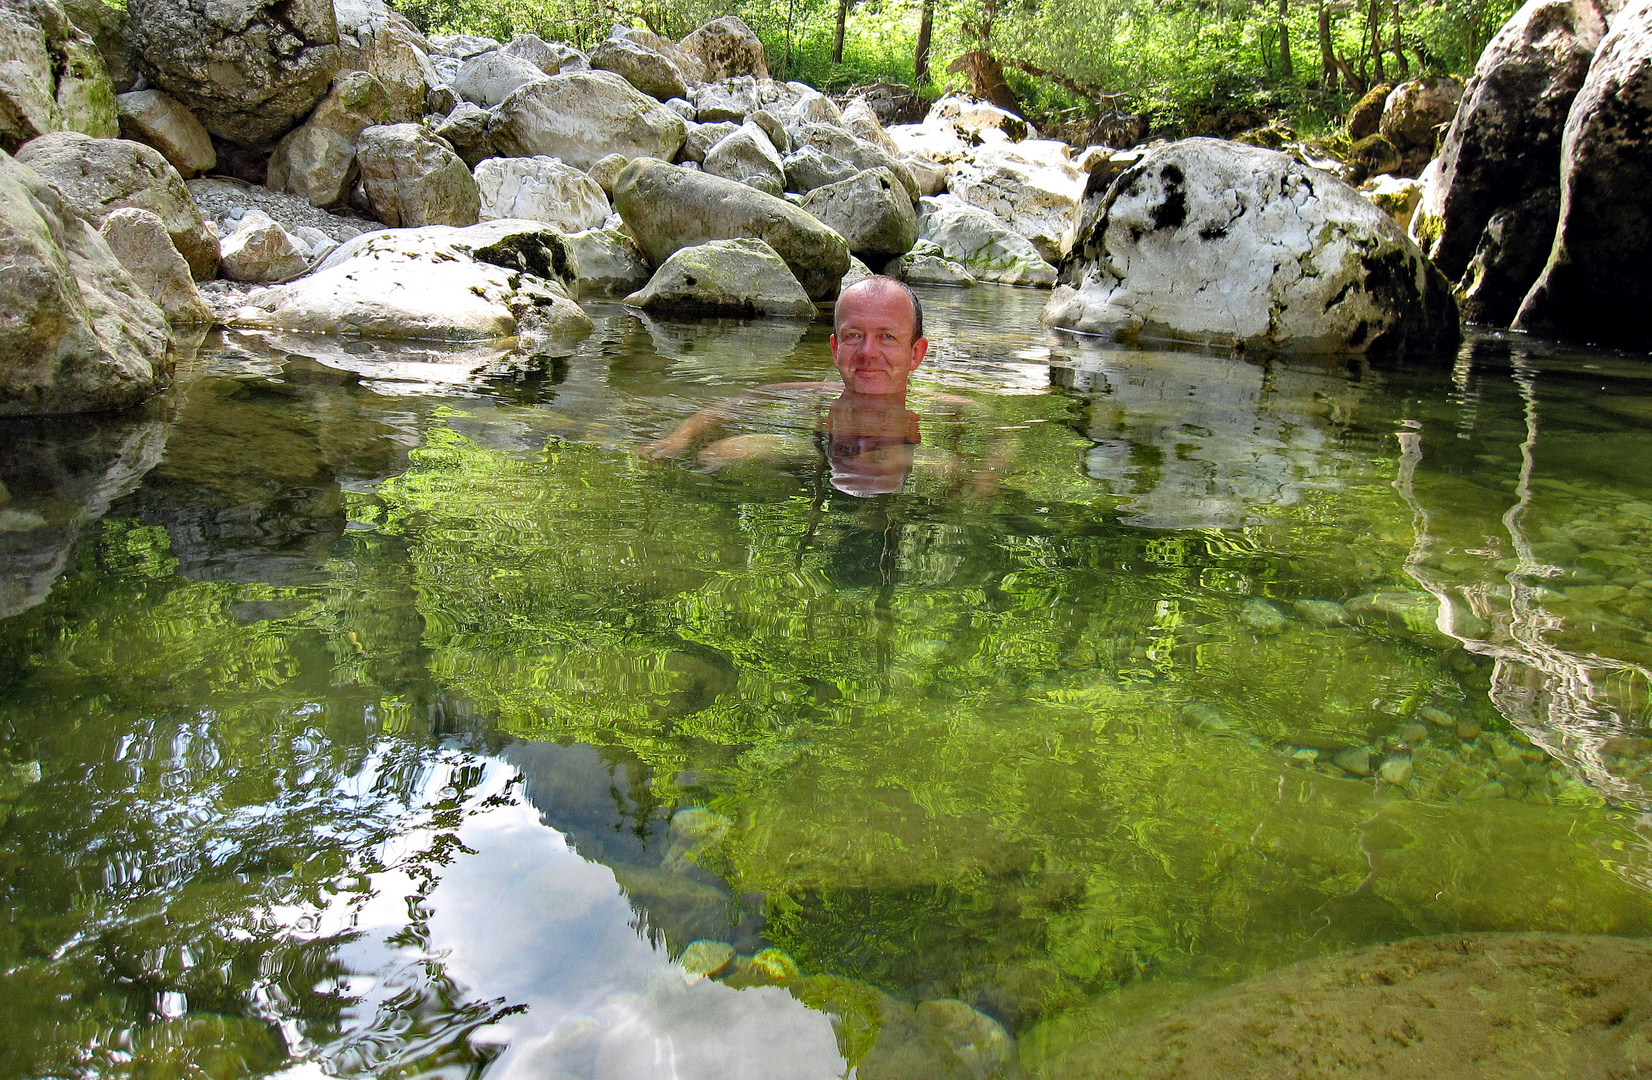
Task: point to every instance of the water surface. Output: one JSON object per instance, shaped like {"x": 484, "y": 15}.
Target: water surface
{"x": 361, "y": 719}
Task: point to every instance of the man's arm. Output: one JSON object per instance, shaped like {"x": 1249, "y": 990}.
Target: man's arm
{"x": 712, "y": 417}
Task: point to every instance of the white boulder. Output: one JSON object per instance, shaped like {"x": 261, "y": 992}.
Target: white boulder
{"x": 540, "y": 189}
{"x": 583, "y": 117}
{"x": 139, "y": 241}
{"x": 411, "y": 178}
{"x": 981, "y": 243}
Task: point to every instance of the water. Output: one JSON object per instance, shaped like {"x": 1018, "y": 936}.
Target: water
{"x": 360, "y": 719}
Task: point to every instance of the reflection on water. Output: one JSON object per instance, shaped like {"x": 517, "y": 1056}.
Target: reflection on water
{"x": 356, "y": 718}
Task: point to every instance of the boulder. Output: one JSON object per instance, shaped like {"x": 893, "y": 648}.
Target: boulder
{"x": 1413, "y": 115}
{"x": 729, "y": 101}
{"x": 692, "y": 70}
{"x": 412, "y": 178}
{"x": 682, "y": 107}
{"x": 77, "y": 334}
{"x": 138, "y": 240}
{"x": 926, "y": 265}
{"x": 928, "y": 174}
{"x": 583, "y": 117}
{"x": 1372, "y": 156}
{"x": 551, "y": 57}
{"x": 490, "y": 78}
{"x": 700, "y": 138}
{"x": 746, "y": 155}
{"x": 983, "y": 245}
{"x": 99, "y": 176}
{"x": 498, "y": 279}
{"x": 645, "y": 69}
{"x": 858, "y": 271}
{"x": 807, "y": 106}
{"x": 540, "y": 189}
{"x": 1396, "y": 196}
{"x": 261, "y": 252}
{"x": 940, "y": 142}
{"x": 1039, "y": 202}
{"x": 155, "y": 119}
{"x": 1225, "y": 244}
{"x": 824, "y": 155}
{"x": 1365, "y": 118}
{"x": 668, "y": 208}
{"x": 1497, "y": 199}
{"x": 108, "y": 28}
{"x": 726, "y": 47}
{"x": 467, "y": 129}
{"x": 979, "y": 120}
{"x": 382, "y": 42}
{"x": 52, "y": 77}
{"x": 773, "y": 128}
{"x": 863, "y": 123}
{"x": 606, "y": 171}
{"x": 870, "y": 210}
{"x": 1596, "y": 285}
{"x": 317, "y": 159}
{"x": 249, "y": 75}
{"x": 461, "y": 47}
{"x": 610, "y": 263}
{"x": 725, "y": 277}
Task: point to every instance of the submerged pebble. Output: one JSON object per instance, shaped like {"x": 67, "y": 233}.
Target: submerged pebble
{"x": 1262, "y": 617}
{"x": 1396, "y": 770}
{"x": 1323, "y": 612}
{"x": 1355, "y": 759}
{"x": 706, "y": 957}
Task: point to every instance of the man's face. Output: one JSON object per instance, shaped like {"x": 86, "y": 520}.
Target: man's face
{"x": 874, "y": 349}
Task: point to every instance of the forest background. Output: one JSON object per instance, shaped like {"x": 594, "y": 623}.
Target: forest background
{"x": 1108, "y": 71}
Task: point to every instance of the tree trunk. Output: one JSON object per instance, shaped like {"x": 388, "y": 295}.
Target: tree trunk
{"x": 837, "y": 35}
{"x": 986, "y": 79}
{"x": 926, "y": 27}
{"x": 1285, "y": 67}
{"x": 1373, "y": 25}
{"x": 1327, "y": 54}
{"x": 1401, "y": 64}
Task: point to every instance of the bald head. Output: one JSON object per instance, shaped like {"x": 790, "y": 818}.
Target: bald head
{"x": 876, "y": 287}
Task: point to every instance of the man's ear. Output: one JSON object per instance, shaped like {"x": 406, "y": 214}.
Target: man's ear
{"x": 832, "y": 340}
{"x": 920, "y": 348}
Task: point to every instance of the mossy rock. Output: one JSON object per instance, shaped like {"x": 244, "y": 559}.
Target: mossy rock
{"x": 1366, "y": 115}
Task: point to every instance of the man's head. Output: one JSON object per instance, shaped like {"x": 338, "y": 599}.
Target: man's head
{"x": 877, "y": 338}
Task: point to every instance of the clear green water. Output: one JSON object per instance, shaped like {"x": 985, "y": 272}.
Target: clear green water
{"x": 347, "y": 723}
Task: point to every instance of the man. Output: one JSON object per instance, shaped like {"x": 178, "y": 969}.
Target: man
{"x": 870, "y": 435}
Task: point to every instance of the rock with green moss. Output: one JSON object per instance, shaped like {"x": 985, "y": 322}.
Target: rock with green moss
{"x": 981, "y": 243}
{"x": 1366, "y": 115}
{"x": 727, "y": 277}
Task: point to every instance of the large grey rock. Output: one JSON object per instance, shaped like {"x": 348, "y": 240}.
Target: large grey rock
{"x": 77, "y": 334}
{"x": 499, "y": 279}
{"x": 746, "y": 155}
{"x": 651, "y": 72}
{"x": 317, "y": 159}
{"x": 926, "y": 265}
{"x": 540, "y": 189}
{"x": 606, "y": 171}
{"x": 692, "y": 70}
{"x": 822, "y": 153}
{"x": 551, "y": 57}
{"x": 727, "y": 47}
{"x": 700, "y": 138}
{"x": 99, "y": 176}
{"x": 382, "y": 42}
{"x": 1411, "y": 114}
{"x": 863, "y": 123}
{"x": 490, "y": 78}
{"x": 1038, "y": 201}
{"x": 728, "y": 101}
{"x": 109, "y": 29}
{"x": 986, "y": 123}
{"x": 461, "y": 47}
{"x": 261, "y": 252}
{"x": 249, "y": 72}
{"x": 870, "y": 210}
{"x": 138, "y": 240}
{"x": 610, "y": 263}
{"x": 667, "y": 208}
{"x": 1221, "y": 243}
{"x": 1497, "y": 200}
{"x": 1597, "y": 285}
{"x": 52, "y": 77}
{"x": 155, "y": 119}
{"x": 983, "y": 245}
{"x": 583, "y": 117}
{"x": 411, "y": 178}
{"x": 725, "y": 277}
{"x": 468, "y": 130}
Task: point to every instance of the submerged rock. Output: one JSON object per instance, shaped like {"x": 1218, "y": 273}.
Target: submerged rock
{"x": 730, "y": 277}
{"x": 668, "y": 208}
{"x": 1220, "y": 243}
{"x": 494, "y": 280}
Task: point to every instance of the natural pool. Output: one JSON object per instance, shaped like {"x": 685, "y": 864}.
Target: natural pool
{"x": 357, "y": 723}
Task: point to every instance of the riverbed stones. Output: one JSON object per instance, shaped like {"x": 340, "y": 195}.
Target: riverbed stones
{"x": 583, "y": 117}
{"x": 99, "y": 176}
{"x": 668, "y": 208}
{"x": 727, "y": 47}
{"x": 976, "y": 1040}
{"x": 1262, "y": 617}
{"x": 983, "y": 245}
{"x": 925, "y": 265}
{"x": 411, "y": 178}
{"x": 729, "y": 101}
{"x": 748, "y": 156}
{"x": 725, "y": 277}
{"x": 490, "y": 78}
{"x": 649, "y": 71}
{"x": 870, "y": 210}
{"x": 540, "y": 189}
{"x": 156, "y": 119}
{"x": 249, "y": 75}
{"x": 77, "y": 333}
{"x": 825, "y": 154}
{"x": 606, "y": 171}
{"x": 260, "y": 251}
{"x": 494, "y": 280}
{"x": 53, "y": 77}
{"x": 1227, "y": 244}
{"x": 1577, "y": 1003}
{"x": 317, "y": 159}
{"x": 466, "y": 129}
{"x": 138, "y": 239}
{"x": 1596, "y": 284}
{"x": 610, "y": 263}
{"x": 1490, "y": 225}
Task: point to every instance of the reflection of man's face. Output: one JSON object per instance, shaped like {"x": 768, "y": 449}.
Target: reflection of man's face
{"x": 874, "y": 347}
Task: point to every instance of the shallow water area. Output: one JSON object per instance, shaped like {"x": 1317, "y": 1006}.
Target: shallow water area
{"x": 360, "y": 717}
